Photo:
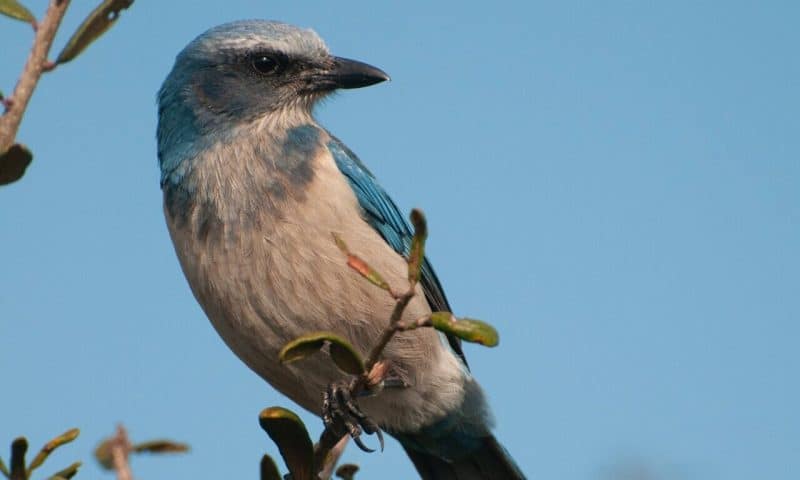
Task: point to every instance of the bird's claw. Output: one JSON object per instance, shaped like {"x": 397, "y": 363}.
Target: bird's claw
{"x": 342, "y": 415}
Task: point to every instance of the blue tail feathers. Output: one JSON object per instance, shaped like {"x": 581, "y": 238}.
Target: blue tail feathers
{"x": 460, "y": 446}
{"x": 477, "y": 458}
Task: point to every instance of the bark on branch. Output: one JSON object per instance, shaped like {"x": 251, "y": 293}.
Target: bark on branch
{"x": 36, "y": 64}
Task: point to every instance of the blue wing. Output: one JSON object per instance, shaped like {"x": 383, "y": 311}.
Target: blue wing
{"x": 384, "y": 216}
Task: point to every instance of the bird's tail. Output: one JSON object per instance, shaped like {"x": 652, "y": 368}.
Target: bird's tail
{"x": 486, "y": 459}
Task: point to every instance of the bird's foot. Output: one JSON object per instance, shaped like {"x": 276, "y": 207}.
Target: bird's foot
{"x": 342, "y": 415}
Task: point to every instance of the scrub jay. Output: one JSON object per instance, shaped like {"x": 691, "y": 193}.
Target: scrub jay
{"x": 254, "y": 188}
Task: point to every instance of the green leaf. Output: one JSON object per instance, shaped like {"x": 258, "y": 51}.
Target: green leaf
{"x": 347, "y": 471}
{"x": 344, "y": 355}
{"x": 67, "y": 473}
{"x": 13, "y": 163}
{"x": 269, "y": 471}
{"x": 359, "y": 265}
{"x": 416, "y": 255}
{"x": 103, "y": 454}
{"x": 14, "y": 9}
{"x": 3, "y": 468}
{"x": 467, "y": 329}
{"x": 48, "y": 447}
{"x": 289, "y": 433}
{"x": 347, "y": 358}
{"x": 302, "y": 347}
{"x": 96, "y": 24}
{"x": 160, "y": 446}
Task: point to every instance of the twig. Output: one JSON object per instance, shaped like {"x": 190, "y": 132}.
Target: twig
{"x": 423, "y": 321}
{"x": 31, "y": 73}
{"x": 332, "y": 454}
{"x": 120, "y": 448}
{"x": 391, "y": 329}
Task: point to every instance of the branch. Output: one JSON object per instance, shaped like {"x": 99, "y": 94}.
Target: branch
{"x": 332, "y": 454}
{"x": 114, "y": 453}
{"x": 34, "y": 67}
{"x": 391, "y": 329}
{"x": 120, "y": 448}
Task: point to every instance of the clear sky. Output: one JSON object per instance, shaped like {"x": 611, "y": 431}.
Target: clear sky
{"x": 614, "y": 185}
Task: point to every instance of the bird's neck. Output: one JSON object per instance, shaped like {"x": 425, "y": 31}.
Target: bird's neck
{"x": 251, "y": 172}
{"x": 184, "y": 134}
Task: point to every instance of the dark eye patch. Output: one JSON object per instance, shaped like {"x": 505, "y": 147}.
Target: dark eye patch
{"x": 267, "y": 62}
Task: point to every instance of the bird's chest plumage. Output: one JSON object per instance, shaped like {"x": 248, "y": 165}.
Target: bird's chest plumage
{"x": 253, "y": 228}
{"x": 252, "y": 225}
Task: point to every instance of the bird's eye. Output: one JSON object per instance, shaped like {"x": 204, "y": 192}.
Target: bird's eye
{"x": 265, "y": 64}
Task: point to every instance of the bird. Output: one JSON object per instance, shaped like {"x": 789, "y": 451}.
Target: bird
{"x": 253, "y": 190}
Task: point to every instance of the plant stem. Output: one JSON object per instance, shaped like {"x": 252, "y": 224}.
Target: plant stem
{"x": 31, "y": 73}
{"x": 120, "y": 448}
{"x": 388, "y": 333}
{"x": 327, "y": 453}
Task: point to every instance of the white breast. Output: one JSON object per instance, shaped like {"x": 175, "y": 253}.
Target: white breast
{"x": 268, "y": 282}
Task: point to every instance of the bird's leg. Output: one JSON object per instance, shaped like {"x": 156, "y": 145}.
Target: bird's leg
{"x": 342, "y": 415}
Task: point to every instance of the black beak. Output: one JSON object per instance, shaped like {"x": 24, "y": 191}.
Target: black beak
{"x": 348, "y": 73}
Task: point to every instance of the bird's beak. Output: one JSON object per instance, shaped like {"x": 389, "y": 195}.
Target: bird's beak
{"x": 348, "y": 73}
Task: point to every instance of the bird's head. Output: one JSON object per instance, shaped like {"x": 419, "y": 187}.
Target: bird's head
{"x": 246, "y": 70}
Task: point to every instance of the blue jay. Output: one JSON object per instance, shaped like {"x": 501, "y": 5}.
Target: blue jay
{"x": 254, "y": 188}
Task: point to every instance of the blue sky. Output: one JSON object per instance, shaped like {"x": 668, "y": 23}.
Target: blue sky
{"x": 614, "y": 186}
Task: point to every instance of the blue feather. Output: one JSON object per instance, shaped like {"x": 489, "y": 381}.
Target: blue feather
{"x": 384, "y": 216}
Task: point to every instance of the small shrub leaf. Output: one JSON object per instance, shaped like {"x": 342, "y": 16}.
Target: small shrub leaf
{"x": 362, "y": 267}
{"x": 269, "y": 471}
{"x": 95, "y": 25}
{"x": 160, "y": 446}
{"x": 14, "y": 9}
{"x": 343, "y": 354}
{"x": 416, "y": 254}
{"x": 467, "y": 329}
{"x": 13, "y": 163}
{"x": 48, "y": 447}
{"x": 18, "y": 449}
{"x": 347, "y": 358}
{"x": 347, "y": 471}
{"x": 67, "y": 473}
{"x": 289, "y": 433}
{"x": 302, "y": 347}
{"x": 103, "y": 454}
